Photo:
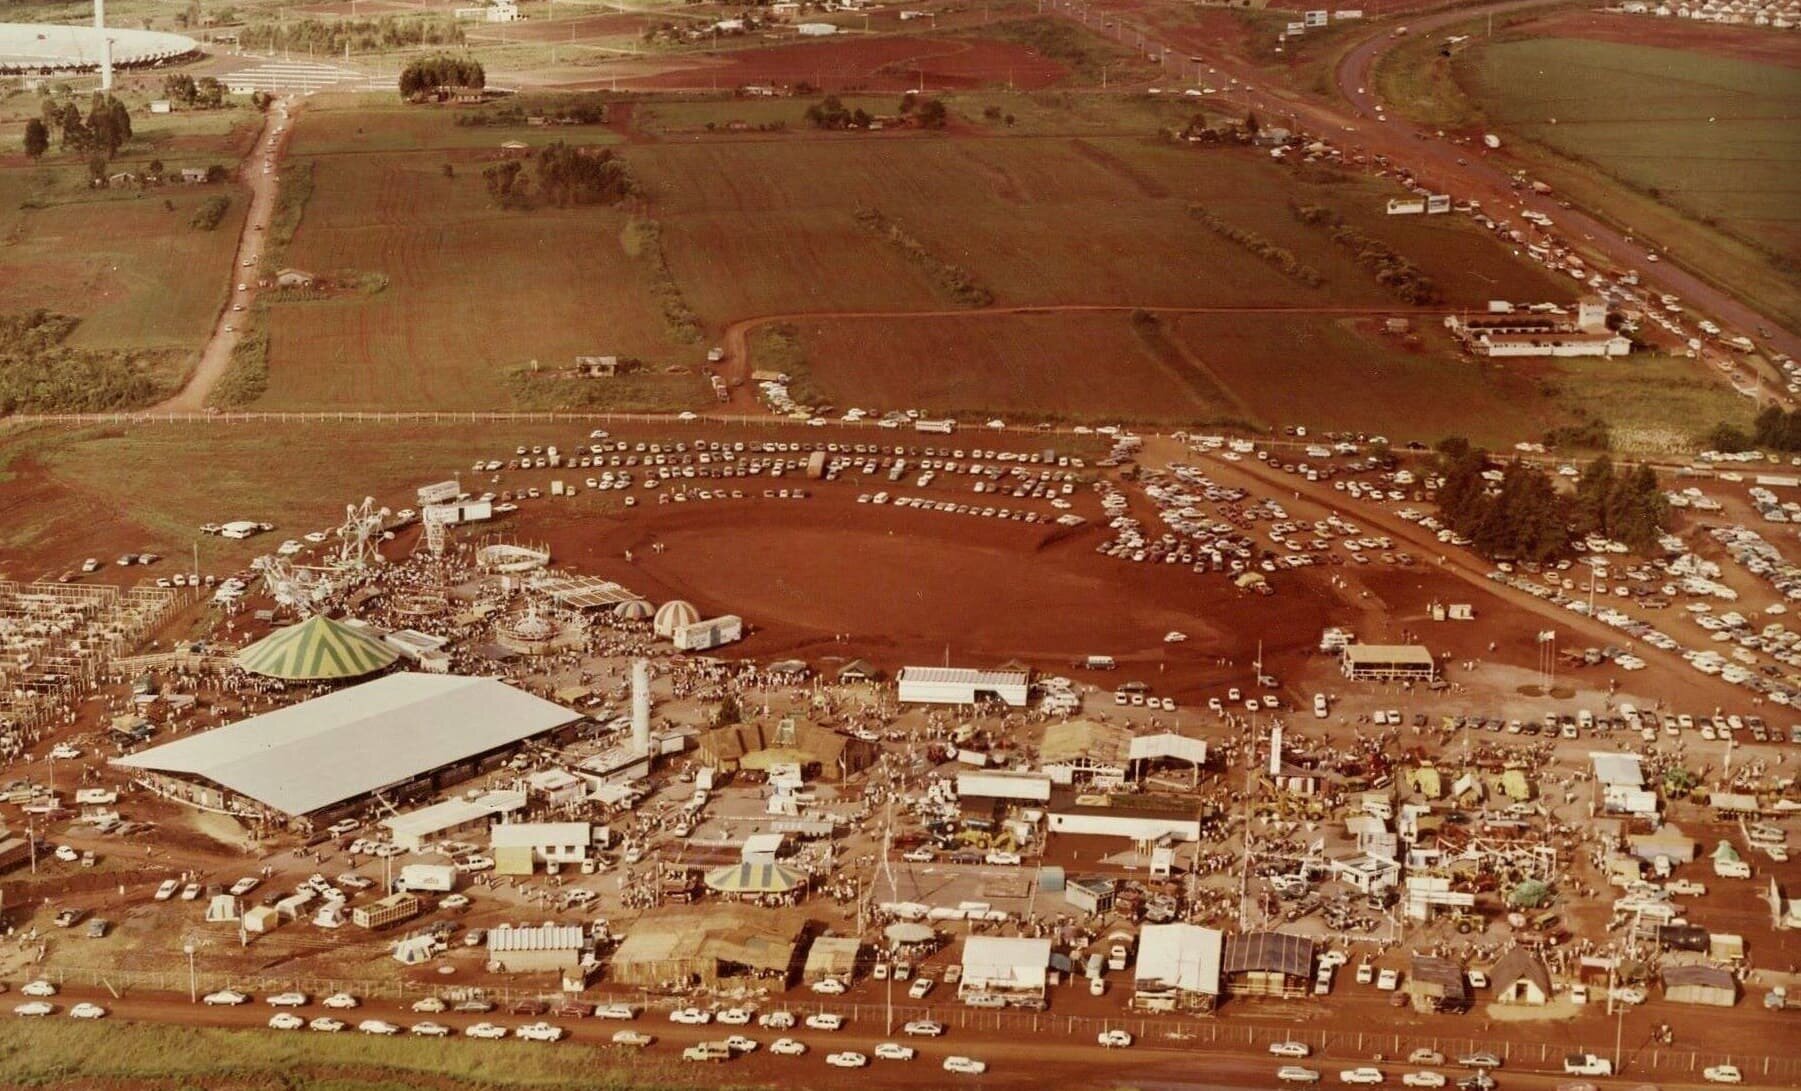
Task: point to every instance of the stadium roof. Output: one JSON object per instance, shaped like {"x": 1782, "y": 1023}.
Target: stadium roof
{"x": 1269, "y": 951}
{"x": 963, "y": 676}
{"x": 316, "y": 650}
{"x": 308, "y": 756}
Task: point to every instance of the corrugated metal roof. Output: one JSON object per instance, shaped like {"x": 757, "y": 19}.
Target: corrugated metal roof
{"x": 533, "y": 834}
{"x": 1181, "y": 956}
{"x": 962, "y": 676}
{"x": 1269, "y": 951}
{"x": 541, "y": 937}
{"x": 1388, "y": 653}
{"x": 345, "y": 744}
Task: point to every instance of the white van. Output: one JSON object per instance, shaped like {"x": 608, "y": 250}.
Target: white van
{"x": 1320, "y": 707}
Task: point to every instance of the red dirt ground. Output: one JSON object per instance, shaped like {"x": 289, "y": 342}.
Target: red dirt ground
{"x": 877, "y": 64}
{"x": 1759, "y": 44}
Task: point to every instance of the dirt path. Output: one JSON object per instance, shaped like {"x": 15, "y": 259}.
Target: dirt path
{"x": 216, "y": 357}
{"x": 735, "y": 368}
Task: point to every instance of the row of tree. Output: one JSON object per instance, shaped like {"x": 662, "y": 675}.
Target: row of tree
{"x": 105, "y": 129}
{"x": 831, "y": 113}
{"x": 331, "y": 38}
{"x": 39, "y": 372}
{"x": 1393, "y": 271}
{"x": 1774, "y": 430}
{"x": 1525, "y": 516}
{"x": 428, "y": 74}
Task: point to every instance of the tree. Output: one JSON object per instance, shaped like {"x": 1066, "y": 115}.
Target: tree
{"x": 180, "y": 88}
{"x": 74, "y": 130}
{"x": 1251, "y": 124}
{"x": 1593, "y": 490}
{"x": 97, "y": 170}
{"x": 932, "y": 114}
{"x": 155, "y": 169}
{"x": 429, "y": 74}
{"x": 828, "y": 113}
{"x": 37, "y": 138}
{"x": 449, "y": 171}
{"x": 1729, "y": 437}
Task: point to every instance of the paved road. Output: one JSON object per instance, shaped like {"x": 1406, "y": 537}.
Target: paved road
{"x": 1432, "y": 160}
{"x": 258, "y": 171}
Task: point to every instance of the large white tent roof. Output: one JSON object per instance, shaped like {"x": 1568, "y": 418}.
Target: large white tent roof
{"x": 1181, "y": 956}
{"x": 308, "y": 756}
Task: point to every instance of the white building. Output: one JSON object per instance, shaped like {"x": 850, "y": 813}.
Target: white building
{"x": 1138, "y": 817}
{"x": 962, "y": 686}
{"x": 1012, "y": 967}
{"x": 1177, "y": 968}
{"x": 997, "y": 784}
{"x": 519, "y": 845}
{"x": 453, "y": 819}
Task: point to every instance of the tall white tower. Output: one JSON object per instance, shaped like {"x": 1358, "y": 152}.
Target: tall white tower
{"x": 99, "y": 14}
{"x": 641, "y": 706}
{"x": 106, "y": 60}
{"x": 1275, "y": 751}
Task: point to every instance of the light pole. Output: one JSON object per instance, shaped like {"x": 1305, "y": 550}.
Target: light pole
{"x": 188, "y": 949}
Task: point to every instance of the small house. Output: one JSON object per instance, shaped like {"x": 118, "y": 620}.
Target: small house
{"x": 294, "y": 278}
{"x": 193, "y": 176}
{"x": 1520, "y": 977}
{"x": 160, "y": 106}
{"x": 1707, "y": 985}
{"x": 515, "y": 149}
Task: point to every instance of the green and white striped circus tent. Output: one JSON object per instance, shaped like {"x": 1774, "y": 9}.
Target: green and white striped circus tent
{"x": 316, "y": 650}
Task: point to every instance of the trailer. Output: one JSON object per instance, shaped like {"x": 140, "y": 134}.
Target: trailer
{"x": 937, "y": 427}
{"x": 390, "y": 910}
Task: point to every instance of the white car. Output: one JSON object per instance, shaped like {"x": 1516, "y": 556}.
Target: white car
{"x": 40, "y": 987}
{"x": 1002, "y": 859}
{"x": 691, "y": 1017}
{"x": 167, "y": 890}
{"x": 734, "y": 1017}
{"x": 455, "y": 901}
{"x": 1426, "y": 1078}
{"x": 847, "y": 1059}
{"x": 1294, "y": 1073}
{"x": 377, "y": 1026}
{"x": 34, "y": 1008}
{"x": 432, "y": 1004}
{"x": 825, "y": 1020}
{"x": 894, "y": 1051}
{"x": 1290, "y": 1049}
{"x": 429, "y": 1029}
{"x": 636, "y": 1039}
{"x": 539, "y": 1032}
{"x": 340, "y": 1001}
{"x": 1114, "y": 1039}
{"x": 924, "y": 1028}
{"x": 229, "y": 998}
{"x": 968, "y": 1066}
{"x": 776, "y": 1020}
{"x": 615, "y": 1011}
{"x": 85, "y": 1010}
{"x": 286, "y": 1020}
{"x": 738, "y": 1043}
{"x": 325, "y": 1024}
{"x": 830, "y": 986}
{"x": 489, "y": 1031}
{"x": 920, "y": 987}
{"x": 1722, "y": 1073}
{"x": 287, "y": 1000}
{"x": 1366, "y": 1074}
{"x": 787, "y": 1047}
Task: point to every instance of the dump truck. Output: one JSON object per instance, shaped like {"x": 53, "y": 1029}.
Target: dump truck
{"x": 391, "y": 910}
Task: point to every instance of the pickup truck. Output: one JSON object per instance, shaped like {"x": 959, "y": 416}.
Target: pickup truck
{"x": 1586, "y": 1064}
{"x": 708, "y": 1051}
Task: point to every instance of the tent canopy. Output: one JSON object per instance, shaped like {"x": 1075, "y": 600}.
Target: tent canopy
{"x": 316, "y": 650}
{"x": 755, "y": 879}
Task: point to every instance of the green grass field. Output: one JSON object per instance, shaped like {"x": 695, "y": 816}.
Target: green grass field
{"x": 1712, "y": 136}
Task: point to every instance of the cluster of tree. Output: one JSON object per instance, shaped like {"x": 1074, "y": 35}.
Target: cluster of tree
{"x": 642, "y": 241}
{"x": 210, "y": 212}
{"x": 1524, "y": 518}
{"x": 994, "y": 113}
{"x": 428, "y": 74}
{"x": 954, "y": 279}
{"x": 579, "y": 109}
{"x": 203, "y": 93}
{"x": 106, "y": 127}
{"x": 831, "y": 113}
{"x": 508, "y": 185}
{"x": 1627, "y": 506}
{"x": 360, "y": 35}
{"x": 927, "y": 113}
{"x": 40, "y": 373}
{"x": 1592, "y": 434}
{"x": 582, "y": 176}
{"x": 1775, "y": 430}
{"x": 1393, "y": 271}
{"x": 1280, "y": 257}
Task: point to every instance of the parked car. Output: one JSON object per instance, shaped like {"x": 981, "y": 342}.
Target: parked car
{"x": 32, "y": 1009}
{"x": 1114, "y": 1039}
{"x": 1294, "y": 1073}
{"x": 429, "y": 1029}
{"x": 39, "y": 988}
{"x": 923, "y": 1028}
{"x": 1290, "y": 1049}
{"x": 340, "y": 1001}
{"x": 286, "y": 1020}
{"x": 825, "y": 1020}
{"x": 1722, "y": 1073}
{"x": 488, "y": 1031}
{"x": 432, "y": 1004}
{"x": 1424, "y": 1078}
{"x": 85, "y": 1010}
{"x": 776, "y": 1020}
{"x": 1365, "y": 1074}
{"x": 1482, "y": 1059}
{"x": 847, "y": 1059}
{"x": 377, "y": 1026}
{"x": 1425, "y": 1056}
{"x": 636, "y": 1039}
{"x": 967, "y": 1066}
{"x": 787, "y": 1047}
{"x": 539, "y": 1032}
{"x": 325, "y": 1024}
{"x": 893, "y": 1051}
{"x": 230, "y": 998}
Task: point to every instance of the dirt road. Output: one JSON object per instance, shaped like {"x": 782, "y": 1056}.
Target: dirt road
{"x": 258, "y": 171}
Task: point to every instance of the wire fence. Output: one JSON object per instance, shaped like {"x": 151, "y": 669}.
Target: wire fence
{"x": 1177, "y": 1032}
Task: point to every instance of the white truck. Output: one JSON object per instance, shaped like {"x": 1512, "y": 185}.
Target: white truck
{"x": 433, "y": 878}
{"x": 1586, "y": 1064}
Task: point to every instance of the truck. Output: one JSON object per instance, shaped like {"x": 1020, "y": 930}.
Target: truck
{"x": 708, "y": 1051}
{"x": 390, "y": 910}
{"x": 937, "y": 427}
{"x": 435, "y": 878}
{"x": 1586, "y": 1064}
{"x": 1780, "y": 999}
{"x": 1731, "y": 868}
